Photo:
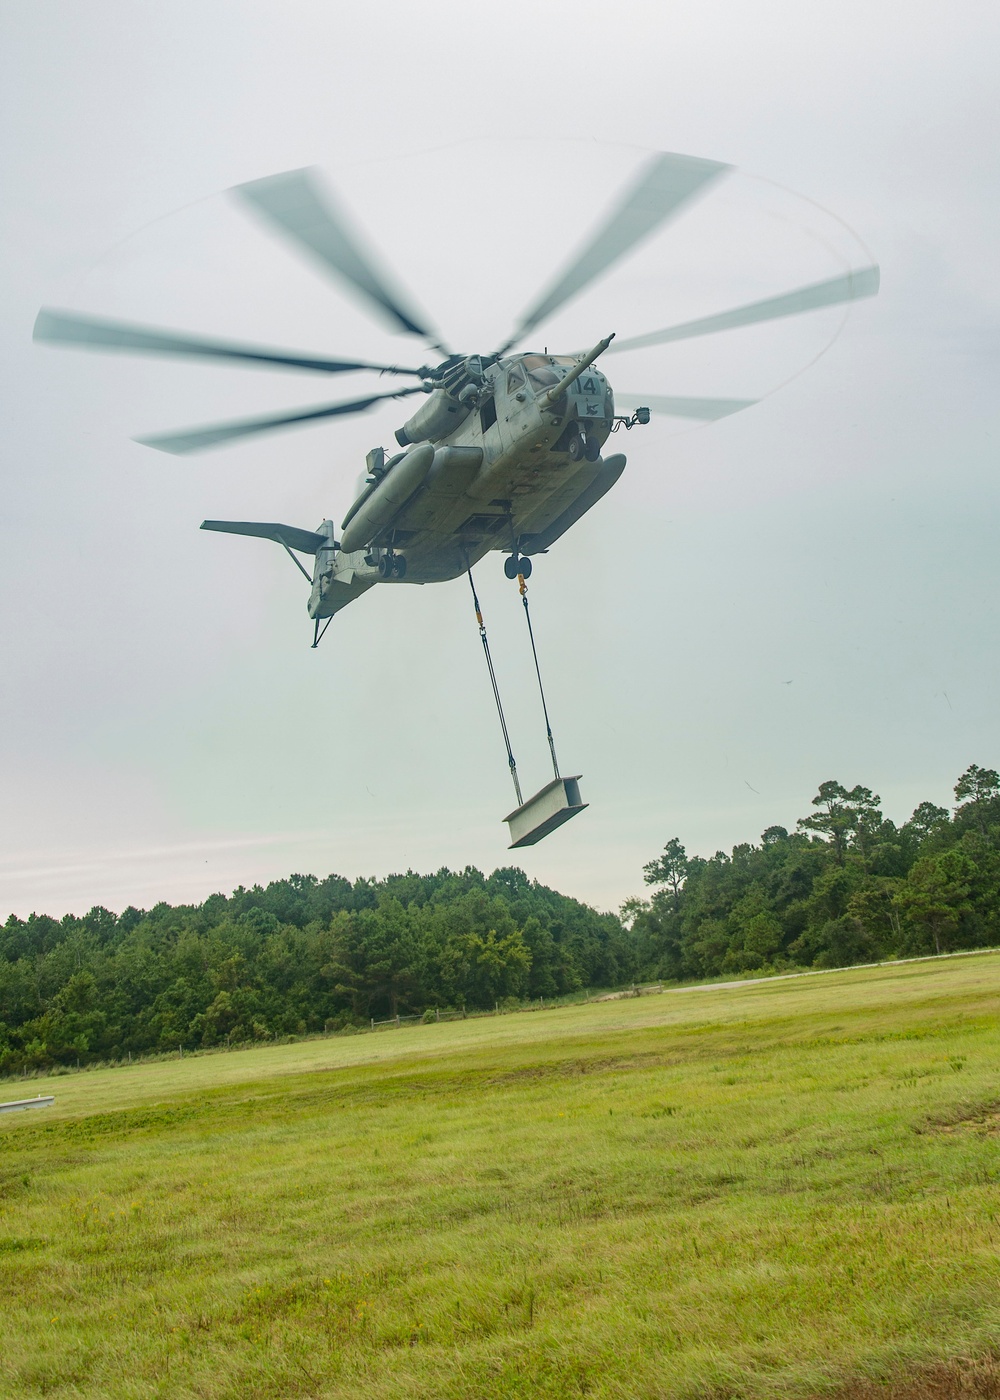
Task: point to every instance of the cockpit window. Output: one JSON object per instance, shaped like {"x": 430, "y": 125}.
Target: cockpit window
{"x": 546, "y": 370}
{"x": 515, "y": 378}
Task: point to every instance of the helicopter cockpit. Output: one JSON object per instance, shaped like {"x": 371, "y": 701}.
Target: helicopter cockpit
{"x": 546, "y": 370}
{"x": 586, "y": 408}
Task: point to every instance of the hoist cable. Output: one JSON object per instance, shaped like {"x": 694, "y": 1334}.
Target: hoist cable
{"x": 496, "y": 691}
{"x": 541, "y": 689}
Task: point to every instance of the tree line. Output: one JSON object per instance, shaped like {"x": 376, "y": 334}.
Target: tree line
{"x": 846, "y": 886}
{"x": 304, "y": 955}
{"x": 298, "y": 956}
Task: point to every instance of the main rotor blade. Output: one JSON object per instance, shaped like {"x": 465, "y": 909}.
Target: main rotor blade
{"x": 69, "y": 328}
{"x": 664, "y": 186}
{"x": 197, "y": 439}
{"x": 293, "y": 204}
{"x": 850, "y": 287}
{"x": 707, "y": 410}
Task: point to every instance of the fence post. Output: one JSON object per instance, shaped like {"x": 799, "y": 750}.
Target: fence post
{"x": 437, "y": 1013}
{"x": 373, "y": 1023}
{"x": 397, "y": 1020}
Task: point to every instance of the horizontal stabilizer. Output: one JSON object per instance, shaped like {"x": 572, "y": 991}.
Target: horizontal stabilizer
{"x": 307, "y": 541}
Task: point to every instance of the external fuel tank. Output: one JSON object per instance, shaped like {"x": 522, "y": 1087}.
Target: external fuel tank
{"x": 389, "y": 496}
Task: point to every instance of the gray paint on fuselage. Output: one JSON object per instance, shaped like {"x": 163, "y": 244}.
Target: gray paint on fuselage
{"x": 521, "y": 486}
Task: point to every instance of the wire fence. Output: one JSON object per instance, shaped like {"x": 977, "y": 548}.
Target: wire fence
{"x": 432, "y": 1016}
{"x": 435, "y": 1015}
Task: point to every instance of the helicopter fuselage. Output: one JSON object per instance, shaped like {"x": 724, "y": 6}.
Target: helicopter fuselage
{"x": 492, "y": 460}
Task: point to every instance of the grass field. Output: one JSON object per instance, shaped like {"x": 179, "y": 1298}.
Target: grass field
{"x": 784, "y": 1189}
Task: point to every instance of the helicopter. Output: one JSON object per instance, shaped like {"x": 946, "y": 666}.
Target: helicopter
{"x": 506, "y": 453}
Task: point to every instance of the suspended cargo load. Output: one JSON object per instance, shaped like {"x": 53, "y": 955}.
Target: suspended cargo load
{"x": 541, "y": 814}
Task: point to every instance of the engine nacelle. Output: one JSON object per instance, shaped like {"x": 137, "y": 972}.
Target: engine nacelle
{"x": 434, "y": 420}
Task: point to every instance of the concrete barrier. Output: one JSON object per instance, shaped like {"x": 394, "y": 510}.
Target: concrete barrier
{"x": 42, "y": 1101}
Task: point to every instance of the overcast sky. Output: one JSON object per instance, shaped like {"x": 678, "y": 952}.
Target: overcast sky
{"x": 807, "y": 590}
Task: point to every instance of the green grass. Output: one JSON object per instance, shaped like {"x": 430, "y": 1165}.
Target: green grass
{"x": 779, "y": 1189}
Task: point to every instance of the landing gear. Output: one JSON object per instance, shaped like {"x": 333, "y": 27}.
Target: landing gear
{"x": 579, "y": 440}
{"x": 516, "y": 564}
{"x": 391, "y": 565}
{"x": 579, "y": 447}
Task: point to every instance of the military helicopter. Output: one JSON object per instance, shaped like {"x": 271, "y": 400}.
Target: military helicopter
{"x": 507, "y": 452}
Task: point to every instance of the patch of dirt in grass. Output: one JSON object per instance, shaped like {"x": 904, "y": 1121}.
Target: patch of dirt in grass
{"x": 980, "y": 1118}
{"x": 952, "y": 1380}
{"x": 567, "y": 1068}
